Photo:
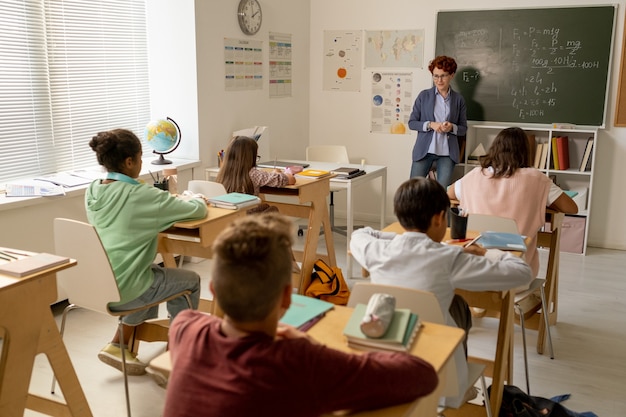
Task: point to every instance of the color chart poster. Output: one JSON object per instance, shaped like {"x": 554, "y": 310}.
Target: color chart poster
{"x": 280, "y": 64}
{"x": 243, "y": 64}
{"x": 391, "y": 101}
{"x": 342, "y": 60}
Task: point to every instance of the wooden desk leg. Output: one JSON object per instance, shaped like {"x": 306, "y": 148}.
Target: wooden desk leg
{"x": 502, "y": 364}
{"x": 29, "y": 329}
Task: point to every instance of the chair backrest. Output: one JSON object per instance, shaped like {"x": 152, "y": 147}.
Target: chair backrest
{"x": 328, "y": 153}
{"x": 422, "y": 303}
{"x": 206, "y": 188}
{"x": 487, "y": 222}
{"x": 91, "y": 283}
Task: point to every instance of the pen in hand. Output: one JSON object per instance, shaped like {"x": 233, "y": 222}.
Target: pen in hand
{"x": 471, "y": 242}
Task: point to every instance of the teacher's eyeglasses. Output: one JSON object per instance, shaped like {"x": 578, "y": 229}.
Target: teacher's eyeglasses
{"x": 441, "y": 77}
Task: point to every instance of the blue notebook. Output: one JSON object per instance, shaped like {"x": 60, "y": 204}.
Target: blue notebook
{"x": 502, "y": 240}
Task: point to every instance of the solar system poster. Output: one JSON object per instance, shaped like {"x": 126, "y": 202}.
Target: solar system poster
{"x": 342, "y": 60}
{"x": 391, "y": 101}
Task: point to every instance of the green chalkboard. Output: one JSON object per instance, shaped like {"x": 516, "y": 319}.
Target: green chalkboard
{"x": 544, "y": 65}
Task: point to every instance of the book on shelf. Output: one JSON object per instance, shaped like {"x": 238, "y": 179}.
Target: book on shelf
{"x": 29, "y": 265}
{"x": 399, "y": 335}
{"x": 543, "y": 163}
{"x": 532, "y": 146}
{"x": 313, "y": 173}
{"x": 305, "y": 310}
{"x": 234, "y": 201}
{"x": 474, "y": 157}
{"x": 537, "y": 159}
{"x": 585, "y": 162}
{"x": 562, "y": 148}
{"x": 555, "y": 154}
{"x": 344, "y": 171}
{"x": 501, "y": 240}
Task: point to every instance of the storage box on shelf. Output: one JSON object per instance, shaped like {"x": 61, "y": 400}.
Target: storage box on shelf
{"x": 574, "y": 178}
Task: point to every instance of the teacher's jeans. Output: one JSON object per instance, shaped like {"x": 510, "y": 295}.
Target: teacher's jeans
{"x": 445, "y": 168}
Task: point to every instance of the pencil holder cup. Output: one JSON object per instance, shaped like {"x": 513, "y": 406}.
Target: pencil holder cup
{"x": 163, "y": 185}
{"x": 458, "y": 224}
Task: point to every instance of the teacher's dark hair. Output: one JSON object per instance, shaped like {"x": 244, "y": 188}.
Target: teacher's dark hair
{"x": 113, "y": 147}
{"x": 508, "y": 152}
{"x": 444, "y": 63}
{"x": 416, "y": 202}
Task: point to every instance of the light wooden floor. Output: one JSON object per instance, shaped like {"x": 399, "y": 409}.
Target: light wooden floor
{"x": 589, "y": 339}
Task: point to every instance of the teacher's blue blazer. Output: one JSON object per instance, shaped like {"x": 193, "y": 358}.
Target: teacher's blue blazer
{"x": 424, "y": 110}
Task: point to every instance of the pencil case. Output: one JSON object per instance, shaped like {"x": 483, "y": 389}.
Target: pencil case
{"x": 378, "y": 315}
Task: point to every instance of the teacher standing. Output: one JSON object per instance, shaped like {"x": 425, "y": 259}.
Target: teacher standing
{"x": 439, "y": 117}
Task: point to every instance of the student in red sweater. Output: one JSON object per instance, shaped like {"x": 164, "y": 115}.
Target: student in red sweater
{"x": 247, "y": 365}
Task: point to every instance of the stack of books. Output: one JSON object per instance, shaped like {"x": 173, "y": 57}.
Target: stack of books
{"x": 346, "y": 173}
{"x": 234, "y": 201}
{"x": 501, "y": 240}
{"x": 399, "y": 336}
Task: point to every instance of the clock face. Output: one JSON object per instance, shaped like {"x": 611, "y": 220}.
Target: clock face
{"x": 250, "y": 16}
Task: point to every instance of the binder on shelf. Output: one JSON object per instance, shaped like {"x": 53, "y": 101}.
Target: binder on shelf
{"x": 585, "y": 163}
{"x": 537, "y": 161}
{"x": 562, "y": 147}
{"x": 555, "y": 154}
{"x": 544, "y": 164}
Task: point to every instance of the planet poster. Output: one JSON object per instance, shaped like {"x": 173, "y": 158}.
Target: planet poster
{"x": 342, "y": 60}
{"x": 391, "y": 102}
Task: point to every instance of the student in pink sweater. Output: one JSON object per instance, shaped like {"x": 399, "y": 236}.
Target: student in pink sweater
{"x": 506, "y": 185}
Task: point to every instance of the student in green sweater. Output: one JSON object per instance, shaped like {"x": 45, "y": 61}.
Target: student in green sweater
{"x": 128, "y": 217}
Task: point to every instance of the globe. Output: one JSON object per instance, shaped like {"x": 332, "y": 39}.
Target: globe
{"x": 163, "y": 136}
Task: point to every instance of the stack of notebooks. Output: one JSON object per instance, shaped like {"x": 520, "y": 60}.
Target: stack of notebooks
{"x": 18, "y": 264}
{"x": 234, "y": 201}
{"x": 399, "y": 336}
{"x": 347, "y": 173}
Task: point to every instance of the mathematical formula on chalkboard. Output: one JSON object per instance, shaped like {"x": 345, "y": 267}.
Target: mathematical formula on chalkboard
{"x": 530, "y": 65}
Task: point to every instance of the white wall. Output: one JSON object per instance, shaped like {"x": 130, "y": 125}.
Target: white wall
{"x": 343, "y": 117}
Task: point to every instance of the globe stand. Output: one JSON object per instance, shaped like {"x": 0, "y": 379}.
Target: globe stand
{"x": 161, "y": 160}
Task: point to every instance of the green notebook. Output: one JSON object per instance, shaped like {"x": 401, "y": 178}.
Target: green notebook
{"x": 304, "y": 309}
{"x": 234, "y": 201}
{"x": 399, "y": 335}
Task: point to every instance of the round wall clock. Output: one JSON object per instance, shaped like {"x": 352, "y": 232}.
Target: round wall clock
{"x": 250, "y": 16}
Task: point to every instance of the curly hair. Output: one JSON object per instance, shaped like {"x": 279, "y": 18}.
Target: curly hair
{"x": 114, "y": 146}
{"x": 443, "y": 62}
{"x": 252, "y": 265}
{"x": 508, "y": 152}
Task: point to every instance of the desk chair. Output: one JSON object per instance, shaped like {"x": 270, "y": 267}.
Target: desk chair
{"x": 91, "y": 284}
{"x": 206, "y": 188}
{"x": 426, "y": 305}
{"x": 484, "y": 222}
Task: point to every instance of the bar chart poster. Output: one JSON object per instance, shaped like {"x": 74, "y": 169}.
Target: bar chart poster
{"x": 280, "y": 65}
{"x": 391, "y": 102}
{"x": 342, "y": 60}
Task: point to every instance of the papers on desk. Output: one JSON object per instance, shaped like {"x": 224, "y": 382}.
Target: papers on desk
{"x": 33, "y": 188}
{"x": 20, "y": 265}
{"x": 65, "y": 179}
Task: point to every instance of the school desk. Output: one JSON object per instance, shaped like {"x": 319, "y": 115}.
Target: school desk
{"x": 372, "y": 172}
{"x": 435, "y": 343}
{"x": 27, "y": 328}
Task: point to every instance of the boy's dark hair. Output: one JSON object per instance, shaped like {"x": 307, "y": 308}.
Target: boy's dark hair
{"x": 416, "y": 202}
{"x": 113, "y": 147}
{"x": 252, "y": 265}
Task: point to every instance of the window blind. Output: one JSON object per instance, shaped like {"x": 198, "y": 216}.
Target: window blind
{"x": 68, "y": 69}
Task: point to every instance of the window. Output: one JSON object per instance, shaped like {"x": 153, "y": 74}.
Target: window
{"x": 68, "y": 69}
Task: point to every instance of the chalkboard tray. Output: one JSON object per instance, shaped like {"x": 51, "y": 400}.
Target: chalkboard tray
{"x": 544, "y": 65}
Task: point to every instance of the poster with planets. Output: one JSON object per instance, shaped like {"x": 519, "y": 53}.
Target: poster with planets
{"x": 391, "y": 101}
{"x": 342, "y": 60}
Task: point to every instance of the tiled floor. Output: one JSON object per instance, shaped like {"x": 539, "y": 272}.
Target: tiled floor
{"x": 590, "y": 344}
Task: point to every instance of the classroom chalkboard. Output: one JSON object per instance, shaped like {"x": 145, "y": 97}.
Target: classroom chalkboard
{"x": 544, "y": 65}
